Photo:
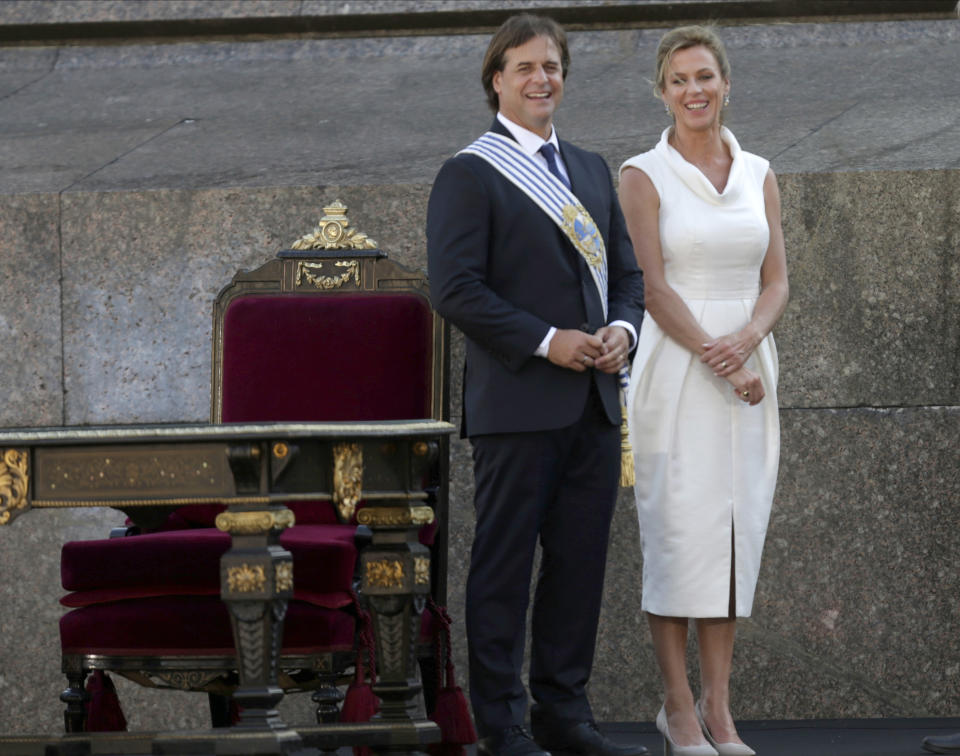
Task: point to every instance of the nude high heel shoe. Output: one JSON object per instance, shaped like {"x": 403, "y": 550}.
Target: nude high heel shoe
{"x": 672, "y": 749}
{"x": 723, "y": 749}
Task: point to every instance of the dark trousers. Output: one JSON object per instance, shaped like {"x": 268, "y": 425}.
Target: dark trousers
{"x": 559, "y": 486}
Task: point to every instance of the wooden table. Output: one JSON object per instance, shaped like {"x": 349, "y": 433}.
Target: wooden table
{"x": 254, "y": 468}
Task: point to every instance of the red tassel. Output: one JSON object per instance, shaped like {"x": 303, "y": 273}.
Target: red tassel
{"x": 453, "y": 717}
{"x": 103, "y": 709}
{"x": 450, "y": 712}
{"x": 361, "y": 703}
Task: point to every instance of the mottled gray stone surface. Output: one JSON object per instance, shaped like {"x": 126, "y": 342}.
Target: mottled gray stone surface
{"x": 389, "y": 110}
{"x": 859, "y": 576}
{"x": 80, "y": 11}
{"x": 874, "y": 312}
{"x": 30, "y": 318}
{"x": 84, "y": 11}
{"x": 145, "y": 268}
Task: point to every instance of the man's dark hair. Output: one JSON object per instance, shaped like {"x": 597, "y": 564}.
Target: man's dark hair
{"x": 516, "y": 31}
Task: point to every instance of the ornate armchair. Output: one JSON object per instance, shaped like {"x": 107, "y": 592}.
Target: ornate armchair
{"x": 328, "y": 331}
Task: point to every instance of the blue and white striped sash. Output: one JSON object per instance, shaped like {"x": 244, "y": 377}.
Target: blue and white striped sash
{"x": 550, "y": 195}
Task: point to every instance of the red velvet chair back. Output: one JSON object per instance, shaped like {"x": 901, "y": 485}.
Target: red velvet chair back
{"x": 345, "y": 357}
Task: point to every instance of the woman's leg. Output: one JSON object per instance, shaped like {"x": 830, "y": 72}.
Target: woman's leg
{"x": 670, "y": 645}
{"x": 715, "y": 638}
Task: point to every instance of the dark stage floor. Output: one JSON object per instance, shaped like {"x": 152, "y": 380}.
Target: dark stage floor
{"x": 819, "y": 737}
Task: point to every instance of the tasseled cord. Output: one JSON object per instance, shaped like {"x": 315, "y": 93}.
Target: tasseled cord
{"x": 450, "y": 710}
{"x": 627, "y": 474}
{"x": 361, "y": 703}
{"x": 103, "y": 709}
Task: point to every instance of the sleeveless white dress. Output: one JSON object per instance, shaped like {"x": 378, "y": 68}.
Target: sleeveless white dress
{"x": 706, "y": 462}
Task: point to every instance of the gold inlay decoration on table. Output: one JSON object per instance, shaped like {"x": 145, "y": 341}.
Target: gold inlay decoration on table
{"x": 283, "y": 576}
{"x": 115, "y": 472}
{"x": 333, "y": 233}
{"x": 384, "y": 573}
{"x": 13, "y": 484}
{"x": 246, "y": 579}
{"x": 347, "y": 478}
{"x": 251, "y": 523}
{"x": 145, "y": 502}
{"x": 394, "y": 516}
{"x": 421, "y": 570}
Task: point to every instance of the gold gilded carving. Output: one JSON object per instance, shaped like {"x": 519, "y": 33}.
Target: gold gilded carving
{"x": 394, "y": 516}
{"x": 347, "y": 478}
{"x": 385, "y": 573}
{"x": 421, "y": 570}
{"x": 328, "y": 282}
{"x": 246, "y": 579}
{"x": 283, "y": 575}
{"x": 333, "y": 232}
{"x": 13, "y": 484}
{"x": 251, "y": 523}
{"x": 182, "y": 680}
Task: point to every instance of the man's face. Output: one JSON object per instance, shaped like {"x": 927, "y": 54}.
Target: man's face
{"x": 530, "y": 86}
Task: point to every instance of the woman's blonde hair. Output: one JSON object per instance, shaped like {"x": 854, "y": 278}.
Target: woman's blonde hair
{"x": 682, "y": 38}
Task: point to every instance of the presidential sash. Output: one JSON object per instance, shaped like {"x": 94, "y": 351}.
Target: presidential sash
{"x": 561, "y": 205}
{"x": 552, "y": 196}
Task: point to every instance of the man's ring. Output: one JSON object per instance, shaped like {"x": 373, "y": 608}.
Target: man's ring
{"x": 745, "y": 394}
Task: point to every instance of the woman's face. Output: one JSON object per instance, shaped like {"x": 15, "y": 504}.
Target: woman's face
{"x": 694, "y": 88}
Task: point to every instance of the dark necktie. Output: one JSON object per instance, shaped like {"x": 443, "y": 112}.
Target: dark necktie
{"x": 550, "y": 153}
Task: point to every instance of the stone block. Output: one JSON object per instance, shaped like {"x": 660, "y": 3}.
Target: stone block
{"x": 30, "y": 371}
{"x": 874, "y": 311}
{"x": 146, "y": 267}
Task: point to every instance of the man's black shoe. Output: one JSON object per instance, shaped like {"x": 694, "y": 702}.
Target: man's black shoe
{"x": 514, "y": 741}
{"x": 942, "y": 743}
{"x": 584, "y": 739}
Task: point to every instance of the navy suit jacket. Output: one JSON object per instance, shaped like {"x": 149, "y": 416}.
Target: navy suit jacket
{"x": 503, "y": 272}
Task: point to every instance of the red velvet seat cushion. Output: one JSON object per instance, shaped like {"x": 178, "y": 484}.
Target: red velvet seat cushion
{"x": 192, "y": 625}
{"x": 185, "y": 562}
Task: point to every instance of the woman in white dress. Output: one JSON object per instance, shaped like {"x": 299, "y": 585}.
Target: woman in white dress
{"x": 704, "y": 217}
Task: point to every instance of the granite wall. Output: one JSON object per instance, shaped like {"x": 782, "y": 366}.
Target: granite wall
{"x": 105, "y": 307}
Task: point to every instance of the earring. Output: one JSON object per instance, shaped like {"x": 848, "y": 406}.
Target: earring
{"x": 666, "y": 108}
{"x": 726, "y": 101}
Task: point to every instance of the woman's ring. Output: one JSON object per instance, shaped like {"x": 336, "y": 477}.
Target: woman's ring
{"x": 745, "y": 394}
{"x": 723, "y": 364}
{"x": 584, "y": 360}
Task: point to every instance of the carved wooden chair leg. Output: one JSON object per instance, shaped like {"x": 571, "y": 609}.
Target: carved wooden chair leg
{"x": 328, "y": 699}
{"x": 75, "y": 697}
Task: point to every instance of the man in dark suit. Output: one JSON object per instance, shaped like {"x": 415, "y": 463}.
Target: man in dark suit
{"x": 540, "y": 402}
